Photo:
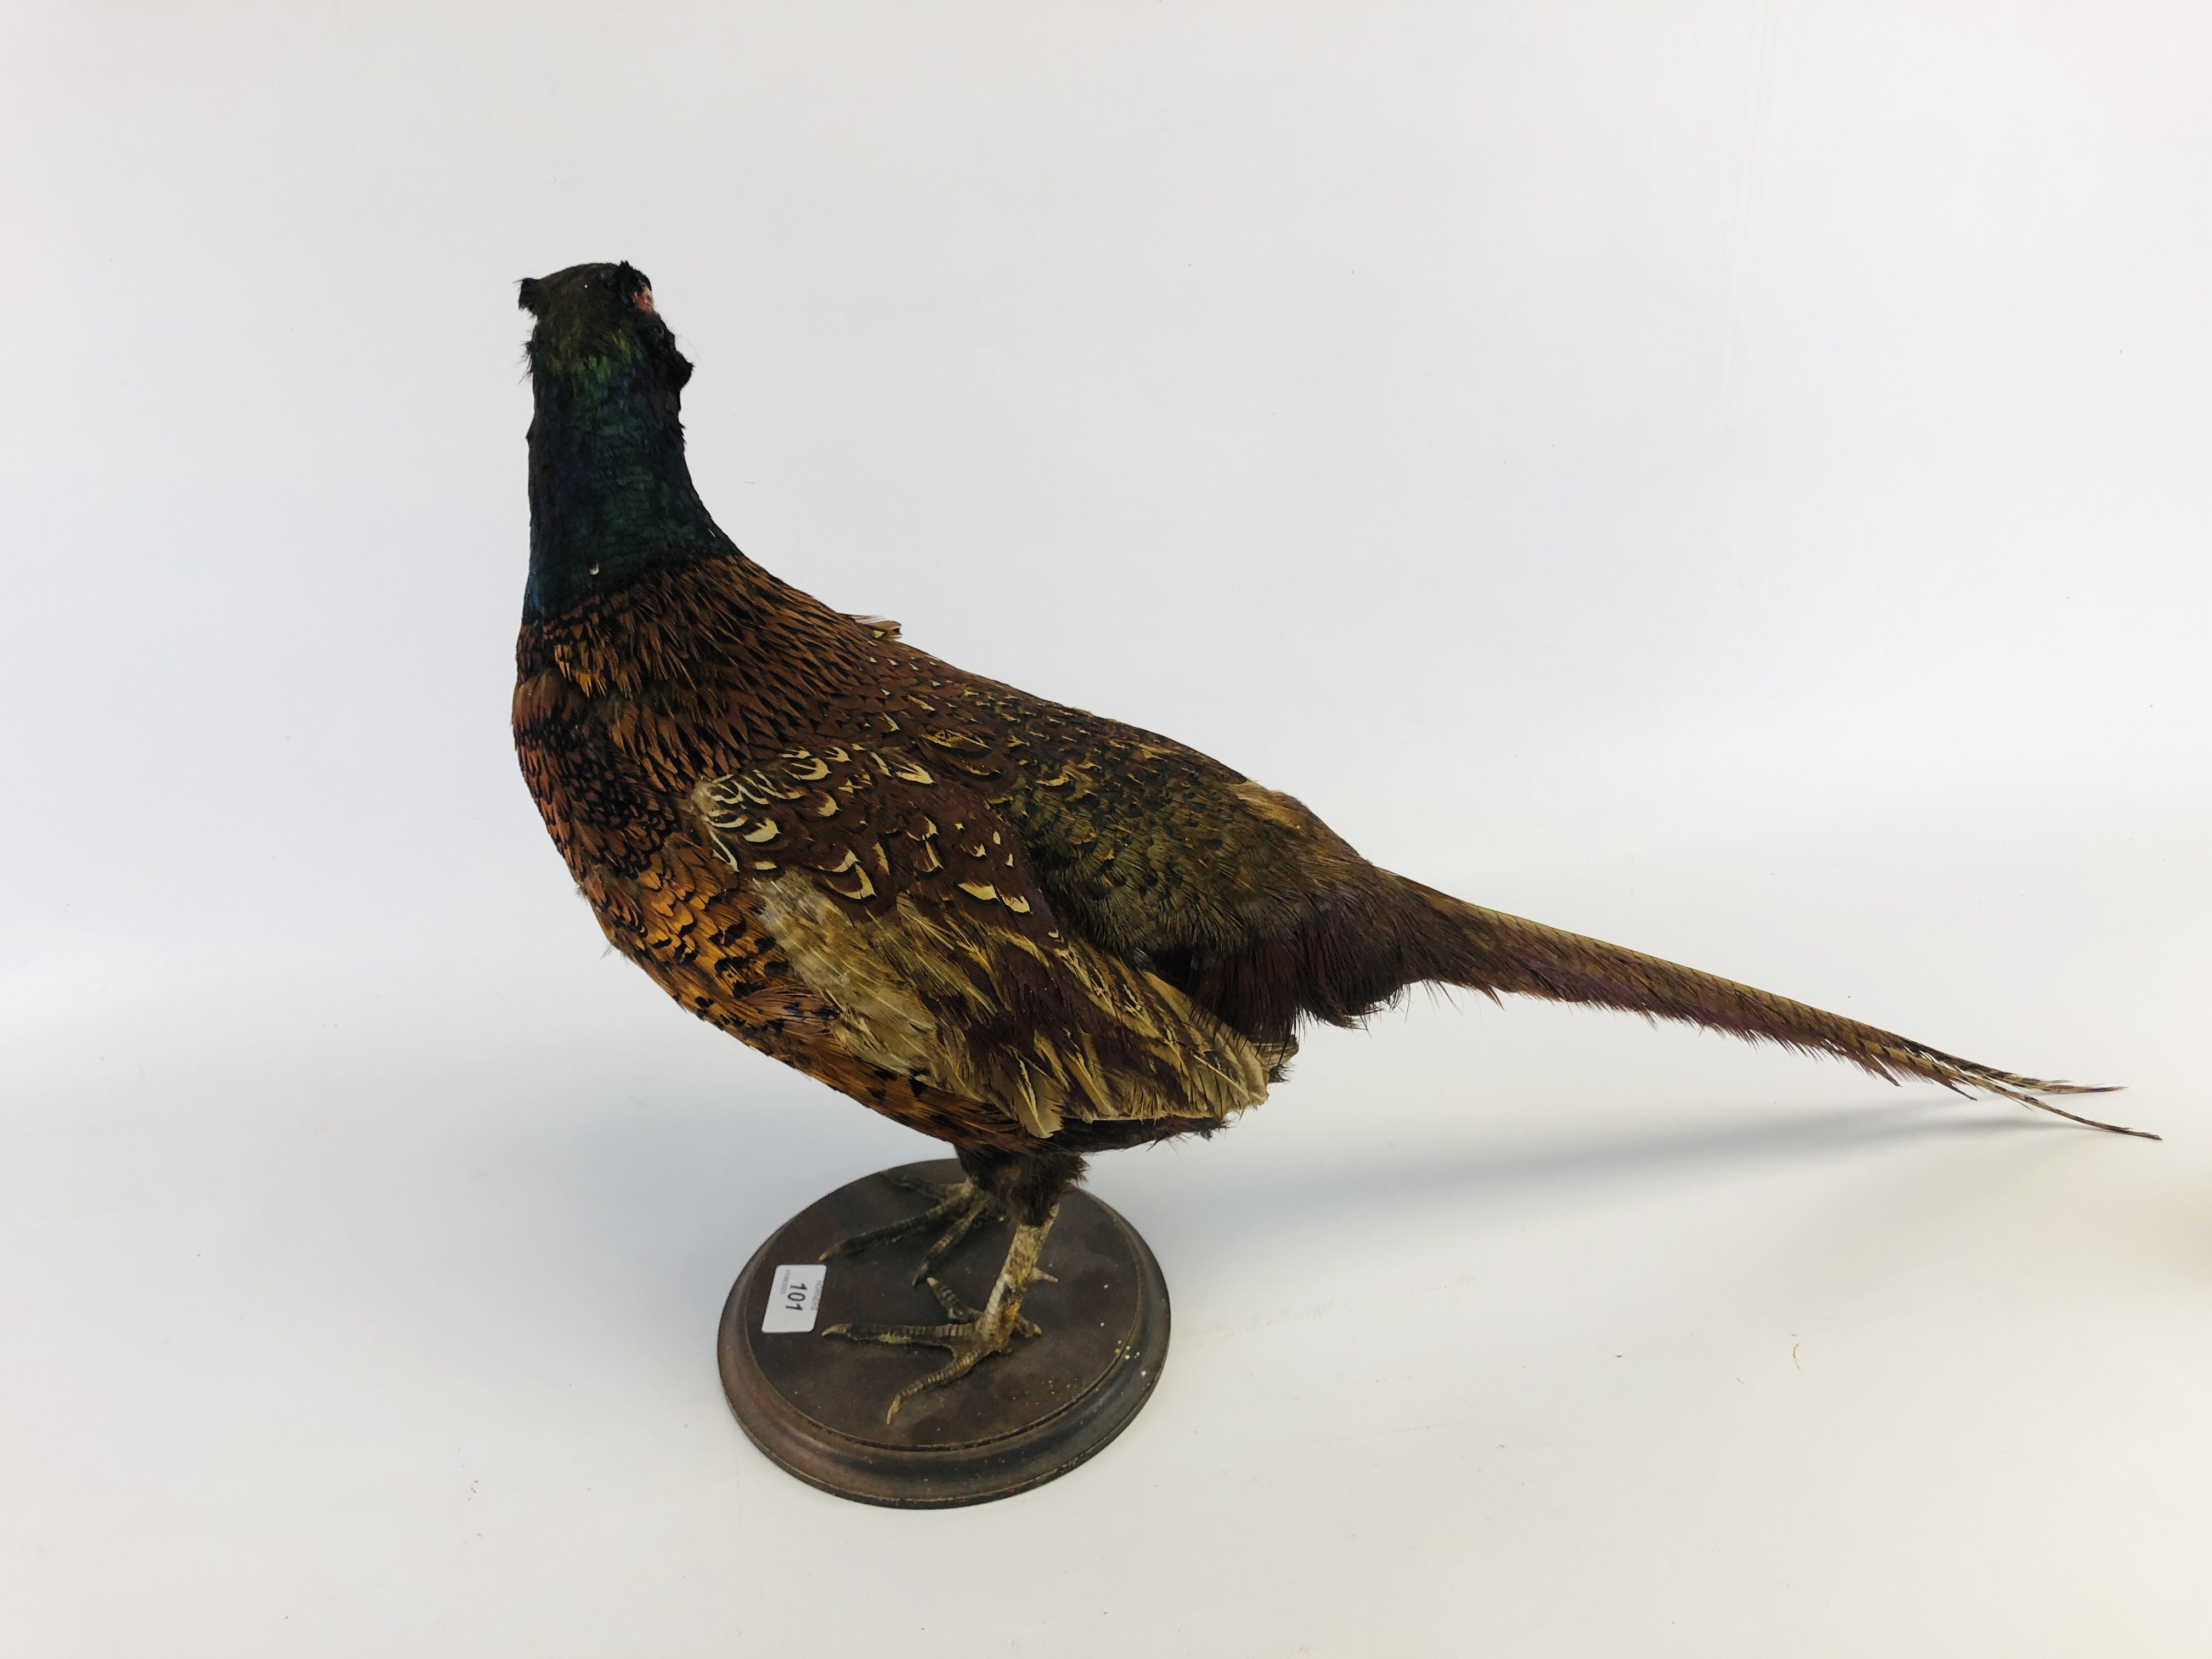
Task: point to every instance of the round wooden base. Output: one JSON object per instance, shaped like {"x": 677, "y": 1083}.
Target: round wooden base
{"x": 816, "y": 1404}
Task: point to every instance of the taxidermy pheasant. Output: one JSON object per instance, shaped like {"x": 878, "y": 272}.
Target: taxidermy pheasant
{"x": 1023, "y": 929}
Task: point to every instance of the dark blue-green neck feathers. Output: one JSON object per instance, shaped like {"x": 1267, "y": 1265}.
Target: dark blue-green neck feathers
{"x": 609, "y": 493}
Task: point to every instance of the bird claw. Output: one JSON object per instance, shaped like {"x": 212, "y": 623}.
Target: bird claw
{"x": 970, "y": 1334}
{"x": 971, "y": 1338}
{"x": 961, "y": 1313}
{"x": 961, "y": 1203}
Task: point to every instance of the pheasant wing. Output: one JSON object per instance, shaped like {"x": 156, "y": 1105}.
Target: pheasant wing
{"x": 898, "y": 894}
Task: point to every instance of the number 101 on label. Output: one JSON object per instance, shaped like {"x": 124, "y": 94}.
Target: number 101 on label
{"x": 794, "y": 1297}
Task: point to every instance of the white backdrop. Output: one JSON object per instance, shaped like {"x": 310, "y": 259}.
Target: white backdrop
{"x": 1728, "y": 477}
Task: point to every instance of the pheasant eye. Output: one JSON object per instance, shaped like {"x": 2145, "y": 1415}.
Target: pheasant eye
{"x": 644, "y": 300}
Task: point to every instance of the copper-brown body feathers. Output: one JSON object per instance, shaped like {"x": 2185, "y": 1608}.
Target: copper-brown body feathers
{"x": 1009, "y": 924}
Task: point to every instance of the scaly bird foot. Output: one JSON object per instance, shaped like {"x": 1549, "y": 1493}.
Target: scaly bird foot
{"x": 961, "y": 1203}
{"x": 974, "y": 1335}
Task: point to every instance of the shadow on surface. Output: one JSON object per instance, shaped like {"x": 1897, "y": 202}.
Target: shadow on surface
{"x": 1296, "y": 1195}
{"x": 651, "y": 1210}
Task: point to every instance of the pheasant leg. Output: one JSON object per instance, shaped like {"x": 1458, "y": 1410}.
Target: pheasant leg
{"x": 961, "y": 1203}
{"x": 973, "y": 1334}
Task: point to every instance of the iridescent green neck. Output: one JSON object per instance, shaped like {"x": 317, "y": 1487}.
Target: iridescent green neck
{"x": 609, "y": 493}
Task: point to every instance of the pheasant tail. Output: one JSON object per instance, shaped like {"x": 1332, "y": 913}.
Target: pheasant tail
{"x": 1490, "y": 952}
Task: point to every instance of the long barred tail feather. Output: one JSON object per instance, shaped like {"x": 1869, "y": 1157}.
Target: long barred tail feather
{"x": 1490, "y": 952}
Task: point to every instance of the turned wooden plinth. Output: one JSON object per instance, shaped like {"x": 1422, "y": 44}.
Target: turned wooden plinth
{"x": 815, "y": 1404}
